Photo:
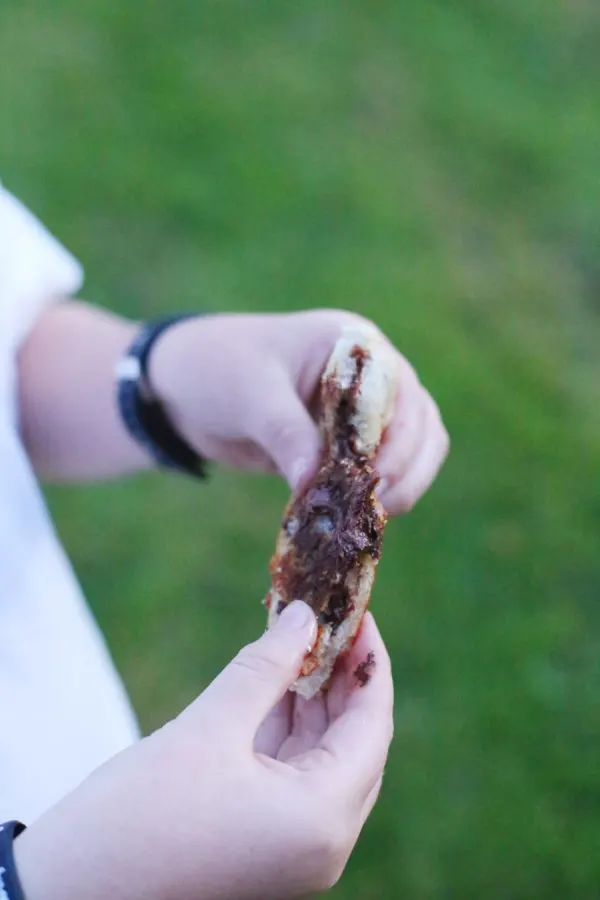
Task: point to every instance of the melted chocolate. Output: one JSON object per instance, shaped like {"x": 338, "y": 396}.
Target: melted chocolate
{"x": 364, "y": 670}
{"x": 344, "y": 434}
{"x": 335, "y": 523}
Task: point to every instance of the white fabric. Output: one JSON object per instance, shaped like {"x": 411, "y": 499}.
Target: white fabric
{"x": 63, "y": 710}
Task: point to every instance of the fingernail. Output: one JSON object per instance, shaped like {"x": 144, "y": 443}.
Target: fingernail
{"x": 296, "y": 617}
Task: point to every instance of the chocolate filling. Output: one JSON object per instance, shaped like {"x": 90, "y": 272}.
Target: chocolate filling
{"x": 365, "y": 669}
{"x": 335, "y": 523}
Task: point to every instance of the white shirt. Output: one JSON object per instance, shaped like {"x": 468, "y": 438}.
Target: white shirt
{"x": 63, "y": 710}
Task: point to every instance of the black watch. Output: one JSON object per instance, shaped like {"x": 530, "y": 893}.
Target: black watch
{"x": 142, "y": 412}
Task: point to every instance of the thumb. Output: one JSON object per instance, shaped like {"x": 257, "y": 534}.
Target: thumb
{"x": 285, "y": 430}
{"x": 250, "y": 686}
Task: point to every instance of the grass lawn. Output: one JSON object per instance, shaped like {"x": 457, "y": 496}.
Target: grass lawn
{"x": 435, "y": 166}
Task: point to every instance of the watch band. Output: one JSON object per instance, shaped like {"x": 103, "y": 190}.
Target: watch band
{"x": 10, "y": 885}
{"x": 142, "y": 412}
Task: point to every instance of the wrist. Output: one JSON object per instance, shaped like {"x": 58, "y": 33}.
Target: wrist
{"x": 165, "y": 366}
{"x": 36, "y": 878}
{"x": 181, "y": 373}
{"x": 142, "y": 398}
{"x": 55, "y": 862}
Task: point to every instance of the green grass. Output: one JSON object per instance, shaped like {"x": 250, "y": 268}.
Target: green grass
{"x": 434, "y": 166}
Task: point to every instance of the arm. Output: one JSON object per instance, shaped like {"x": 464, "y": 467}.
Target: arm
{"x": 238, "y": 387}
{"x": 69, "y": 418}
{"x": 250, "y": 793}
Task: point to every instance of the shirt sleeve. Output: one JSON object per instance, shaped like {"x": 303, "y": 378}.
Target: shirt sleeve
{"x": 35, "y": 270}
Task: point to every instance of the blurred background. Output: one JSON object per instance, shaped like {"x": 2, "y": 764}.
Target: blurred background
{"x": 432, "y": 165}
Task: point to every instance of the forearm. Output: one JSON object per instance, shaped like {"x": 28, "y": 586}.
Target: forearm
{"x": 68, "y": 411}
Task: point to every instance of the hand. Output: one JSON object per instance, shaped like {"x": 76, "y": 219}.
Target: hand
{"x": 241, "y": 388}
{"x": 244, "y": 796}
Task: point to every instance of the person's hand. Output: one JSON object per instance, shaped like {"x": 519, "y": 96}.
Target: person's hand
{"x": 245, "y": 796}
{"x": 242, "y": 387}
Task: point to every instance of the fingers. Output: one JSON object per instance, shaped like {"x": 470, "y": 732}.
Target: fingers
{"x": 414, "y": 451}
{"x": 275, "y": 729}
{"x": 404, "y": 437}
{"x": 284, "y": 429}
{"x": 246, "y": 691}
{"x": 276, "y": 418}
{"x": 352, "y": 753}
{"x": 309, "y": 724}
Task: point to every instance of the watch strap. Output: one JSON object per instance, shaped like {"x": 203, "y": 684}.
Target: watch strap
{"x": 142, "y": 412}
{"x": 10, "y": 885}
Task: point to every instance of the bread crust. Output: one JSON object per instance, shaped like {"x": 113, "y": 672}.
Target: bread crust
{"x": 358, "y": 393}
